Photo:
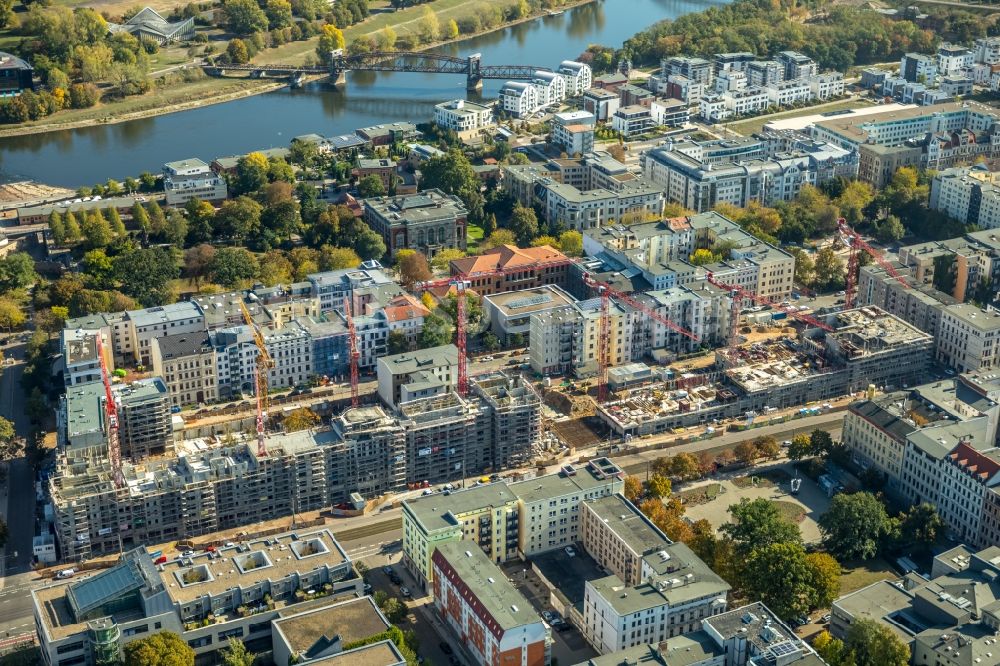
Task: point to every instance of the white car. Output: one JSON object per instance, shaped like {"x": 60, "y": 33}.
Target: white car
{"x": 570, "y": 551}
{"x": 65, "y": 573}
{"x": 405, "y": 591}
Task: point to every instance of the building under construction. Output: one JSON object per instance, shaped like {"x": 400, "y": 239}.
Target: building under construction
{"x": 223, "y": 483}
{"x": 865, "y": 346}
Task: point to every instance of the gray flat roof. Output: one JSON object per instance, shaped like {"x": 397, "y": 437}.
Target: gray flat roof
{"x": 625, "y": 520}
{"x": 164, "y": 313}
{"x": 438, "y": 511}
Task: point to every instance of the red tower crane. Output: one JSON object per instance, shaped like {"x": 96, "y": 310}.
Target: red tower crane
{"x": 111, "y": 411}
{"x": 353, "y": 352}
{"x": 604, "y": 347}
{"x": 856, "y": 244}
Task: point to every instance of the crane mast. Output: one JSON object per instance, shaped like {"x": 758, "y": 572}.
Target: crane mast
{"x": 353, "y": 351}
{"x": 857, "y": 245}
{"x": 111, "y": 412}
{"x": 263, "y": 364}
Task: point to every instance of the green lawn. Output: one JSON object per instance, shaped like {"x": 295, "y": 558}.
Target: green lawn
{"x": 856, "y": 575}
{"x": 475, "y": 235}
{"x": 748, "y": 127}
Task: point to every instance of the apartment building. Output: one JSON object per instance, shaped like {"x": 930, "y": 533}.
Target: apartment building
{"x": 145, "y": 426}
{"x": 573, "y": 132}
{"x": 491, "y": 617}
{"x": 192, "y": 179}
{"x": 578, "y": 210}
{"x": 518, "y": 98}
{"x": 617, "y": 535}
{"x": 796, "y": 65}
{"x": 677, "y": 591}
{"x": 418, "y": 374}
{"x": 746, "y": 101}
{"x": 427, "y": 222}
{"x": 509, "y": 268}
{"x": 701, "y": 185}
{"x": 577, "y": 75}
{"x": 968, "y": 475}
{"x": 186, "y": 362}
{"x": 633, "y": 120}
{"x": 382, "y": 168}
{"x": 368, "y": 454}
{"x": 332, "y": 287}
{"x": 764, "y": 72}
{"x": 89, "y": 621}
{"x": 131, "y": 332}
{"x": 968, "y": 337}
{"x": 919, "y": 67}
{"x": 462, "y": 116}
{"x": 510, "y": 312}
{"x": 701, "y": 308}
{"x": 291, "y": 348}
{"x": 80, "y": 360}
{"x": 953, "y": 59}
{"x": 787, "y": 93}
{"x": 945, "y": 618}
{"x": 506, "y": 520}
{"x": 969, "y": 194}
{"x": 600, "y": 102}
{"x": 827, "y": 85}
{"x": 750, "y": 634}
{"x": 567, "y": 339}
{"x": 696, "y": 69}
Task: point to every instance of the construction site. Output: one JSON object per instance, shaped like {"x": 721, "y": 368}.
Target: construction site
{"x": 862, "y": 347}
{"x": 222, "y": 482}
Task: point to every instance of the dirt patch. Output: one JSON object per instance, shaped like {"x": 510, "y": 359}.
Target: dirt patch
{"x": 15, "y": 194}
{"x": 576, "y": 433}
{"x": 790, "y": 511}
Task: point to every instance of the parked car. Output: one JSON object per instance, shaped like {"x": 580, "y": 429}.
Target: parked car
{"x": 405, "y": 591}
{"x": 187, "y": 553}
{"x": 547, "y": 616}
{"x": 570, "y": 551}
{"x": 394, "y": 577}
{"x": 825, "y": 619}
{"x": 65, "y": 573}
{"x": 387, "y": 570}
{"x": 445, "y": 647}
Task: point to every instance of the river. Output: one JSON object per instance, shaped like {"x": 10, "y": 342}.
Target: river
{"x": 90, "y": 155}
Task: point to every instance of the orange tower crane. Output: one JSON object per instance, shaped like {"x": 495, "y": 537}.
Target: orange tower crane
{"x": 111, "y": 412}
{"x": 263, "y": 365}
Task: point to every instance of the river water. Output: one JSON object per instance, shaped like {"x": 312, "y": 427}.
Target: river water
{"x": 93, "y": 154}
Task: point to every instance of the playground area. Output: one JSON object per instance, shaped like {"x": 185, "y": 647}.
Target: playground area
{"x": 711, "y": 499}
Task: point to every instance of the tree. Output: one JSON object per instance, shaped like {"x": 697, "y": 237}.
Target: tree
{"x": 758, "y": 523}
{"x": 451, "y": 29}
{"x": 237, "y": 51}
{"x": 921, "y": 525}
{"x": 412, "y": 267}
{"x": 100, "y": 268}
{"x": 236, "y": 654}
{"x": 801, "y": 447}
{"x": 96, "y": 230}
{"x": 252, "y": 172}
{"x": 875, "y": 644}
{"x": 855, "y": 526}
{"x": 11, "y": 314}
{"x": 164, "y": 648}
{"x": 829, "y": 270}
{"x": 233, "y": 267}
{"x": 244, "y": 17}
{"x": 386, "y": 38}
{"x": 72, "y": 227}
{"x": 301, "y": 419}
{"x": 442, "y": 260}
{"x": 396, "y": 343}
{"x": 779, "y": 575}
{"x": 890, "y": 230}
{"x": 767, "y": 447}
{"x": 330, "y": 40}
{"x": 279, "y": 13}
{"x": 825, "y": 579}
{"x": 831, "y": 649}
{"x": 57, "y": 227}
{"x": 201, "y": 221}
{"x": 436, "y": 331}
{"x": 428, "y": 27}
{"x": 145, "y": 275}
{"x": 853, "y": 200}
{"x": 821, "y": 442}
{"x": 371, "y": 186}
{"x": 685, "y": 466}
{"x": 303, "y": 153}
{"x": 804, "y": 267}
{"x": 338, "y": 258}
{"x": 239, "y": 218}
{"x": 395, "y": 610}
{"x": 198, "y": 262}
{"x": 17, "y": 271}
{"x": 275, "y": 268}
{"x": 571, "y": 243}
{"x": 632, "y": 489}
{"x": 658, "y": 486}
{"x": 453, "y": 174}
{"x": 701, "y": 256}
{"x": 6, "y": 430}
{"x": 746, "y": 453}
{"x": 115, "y": 220}
{"x": 524, "y": 224}
{"x": 175, "y": 230}
{"x": 499, "y": 238}
{"x": 140, "y": 217}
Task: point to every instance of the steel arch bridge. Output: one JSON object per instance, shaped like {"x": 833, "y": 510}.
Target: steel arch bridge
{"x": 391, "y": 61}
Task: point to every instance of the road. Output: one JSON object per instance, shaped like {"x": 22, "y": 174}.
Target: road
{"x": 17, "y": 505}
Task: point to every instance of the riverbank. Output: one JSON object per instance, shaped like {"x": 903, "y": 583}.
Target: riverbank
{"x": 212, "y": 91}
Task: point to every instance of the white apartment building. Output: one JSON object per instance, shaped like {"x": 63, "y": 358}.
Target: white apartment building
{"x": 969, "y": 194}
{"x": 567, "y": 339}
{"x": 968, "y": 338}
{"x": 192, "y": 179}
{"x": 687, "y": 90}
{"x": 919, "y": 68}
{"x": 291, "y": 349}
{"x": 577, "y": 75}
{"x": 987, "y": 50}
{"x": 700, "y": 307}
{"x": 730, "y": 80}
{"x": 550, "y": 86}
{"x": 573, "y": 132}
{"x": 713, "y": 108}
{"x": 587, "y": 209}
{"x": 518, "y": 98}
{"x": 462, "y": 116}
{"x": 796, "y": 65}
{"x": 746, "y": 101}
{"x": 967, "y": 477}
{"x": 632, "y": 120}
{"x": 953, "y": 59}
{"x": 786, "y": 93}
{"x": 825, "y": 86}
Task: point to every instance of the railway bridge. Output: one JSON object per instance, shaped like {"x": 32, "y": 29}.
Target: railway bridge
{"x": 387, "y": 61}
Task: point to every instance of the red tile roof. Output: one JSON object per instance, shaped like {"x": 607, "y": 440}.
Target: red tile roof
{"x": 505, "y": 257}
{"x": 975, "y": 463}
